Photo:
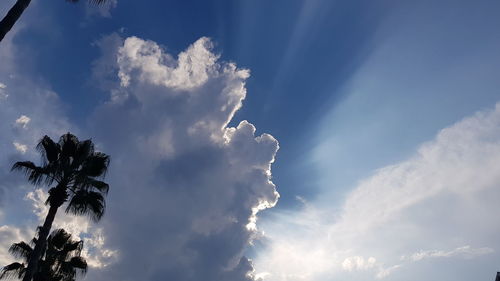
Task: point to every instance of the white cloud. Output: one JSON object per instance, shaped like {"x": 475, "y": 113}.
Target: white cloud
{"x": 20, "y": 147}
{"x": 440, "y": 197}
{"x": 23, "y": 121}
{"x": 465, "y": 251}
{"x": 358, "y": 263}
{"x": 3, "y": 93}
{"x": 188, "y": 187}
{"x": 384, "y": 272}
{"x": 192, "y": 69}
{"x": 95, "y": 251}
{"x": 73, "y": 224}
{"x": 452, "y": 162}
{"x": 8, "y": 236}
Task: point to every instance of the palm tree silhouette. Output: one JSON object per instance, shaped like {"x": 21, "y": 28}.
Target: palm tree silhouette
{"x": 61, "y": 261}
{"x": 17, "y": 10}
{"x": 74, "y": 167}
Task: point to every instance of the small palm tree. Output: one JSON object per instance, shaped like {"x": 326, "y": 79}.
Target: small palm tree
{"x": 61, "y": 261}
{"x": 74, "y": 167}
{"x": 17, "y": 10}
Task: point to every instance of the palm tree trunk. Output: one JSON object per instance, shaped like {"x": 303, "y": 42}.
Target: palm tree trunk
{"x": 12, "y": 16}
{"x": 40, "y": 245}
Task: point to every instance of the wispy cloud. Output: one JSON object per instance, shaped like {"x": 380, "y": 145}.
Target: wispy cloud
{"x": 431, "y": 199}
{"x": 102, "y": 10}
{"x": 465, "y": 251}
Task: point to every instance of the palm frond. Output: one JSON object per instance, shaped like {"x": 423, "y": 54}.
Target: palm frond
{"x": 68, "y": 143}
{"x": 58, "y": 239}
{"x": 99, "y": 185}
{"x": 93, "y": 2}
{"x": 68, "y": 269}
{"x": 21, "y": 250}
{"x": 57, "y": 196}
{"x": 95, "y": 165}
{"x": 65, "y": 271}
{"x": 84, "y": 149}
{"x": 48, "y": 149}
{"x": 89, "y": 203}
{"x": 87, "y": 183}
{"x": 73, "y": 247}
{"x": 97, "y": 2}
{"x": 12, "y": 271}
{"x": 79, "y": 263}
{"x": 36, "y": 175}
{"x": 60, "y": 261}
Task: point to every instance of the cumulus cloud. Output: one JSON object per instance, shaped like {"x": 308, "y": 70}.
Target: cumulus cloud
{"x": 185, "y": 187}
{"x": 440, "y": 197}
{"x": 358, "y": 263}
{"x": 103, "y": 69}
{"x": 192, "y": 68}
{"x": 20, "y": 147}
{"x": 23, "y": 121}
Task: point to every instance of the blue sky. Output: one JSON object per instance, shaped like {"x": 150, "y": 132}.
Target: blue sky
{"x": 385, "y": 114}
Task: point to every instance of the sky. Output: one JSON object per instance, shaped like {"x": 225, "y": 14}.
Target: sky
{"x": 265, "y": 140}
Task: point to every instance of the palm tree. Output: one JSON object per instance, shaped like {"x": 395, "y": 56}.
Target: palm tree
{"x": 17, "y": 10}
{"x": 74, "y": 167}
{"x": 62, "y": 259}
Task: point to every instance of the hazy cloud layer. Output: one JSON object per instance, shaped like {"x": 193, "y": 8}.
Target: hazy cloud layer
{"x": 441, "y": 198}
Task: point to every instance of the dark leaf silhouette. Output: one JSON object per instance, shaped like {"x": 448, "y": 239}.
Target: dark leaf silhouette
{"x": 13, "y": 270}
{"x": 21, "y": 250}
{"x": 88, "y": 203}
